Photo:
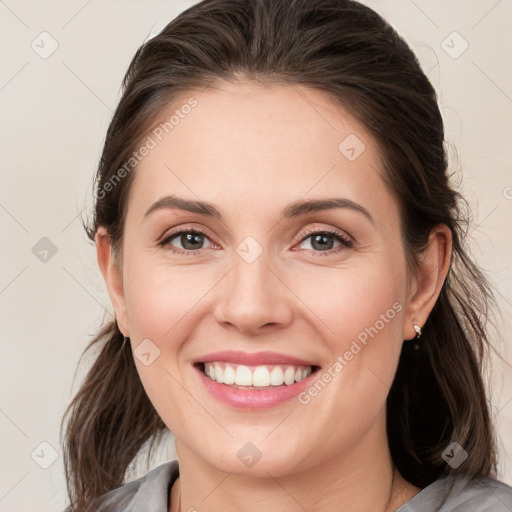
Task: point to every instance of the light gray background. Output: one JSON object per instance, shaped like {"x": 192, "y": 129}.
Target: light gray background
{"x": 54, "y": 115}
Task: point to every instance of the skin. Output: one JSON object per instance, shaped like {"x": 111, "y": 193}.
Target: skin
{"x": 251, "y": 150}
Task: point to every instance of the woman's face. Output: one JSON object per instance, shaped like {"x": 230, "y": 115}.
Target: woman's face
{"x": 269, "y": 288}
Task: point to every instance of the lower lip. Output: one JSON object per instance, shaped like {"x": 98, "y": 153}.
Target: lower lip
{"x": 253, "y": 398}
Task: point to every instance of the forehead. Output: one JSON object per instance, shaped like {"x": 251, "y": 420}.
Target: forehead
{"x": 249, "y": 146}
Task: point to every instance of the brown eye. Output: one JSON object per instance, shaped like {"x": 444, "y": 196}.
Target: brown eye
{"x": 191, "y": 240}
{"x": 324, "y": 240}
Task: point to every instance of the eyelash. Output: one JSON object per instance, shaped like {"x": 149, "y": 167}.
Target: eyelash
{"x": 346, "y": 243}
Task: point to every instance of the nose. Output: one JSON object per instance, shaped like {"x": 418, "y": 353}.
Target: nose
{"x": 254, "y": 298}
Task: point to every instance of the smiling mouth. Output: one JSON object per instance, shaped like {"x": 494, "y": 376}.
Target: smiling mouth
{"x": 255, "y": 377}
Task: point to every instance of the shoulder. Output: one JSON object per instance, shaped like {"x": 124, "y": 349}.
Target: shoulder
{"x": 149, "y": 493}
{"x": 480, "y": 495}
{"x": 459, "y": 494}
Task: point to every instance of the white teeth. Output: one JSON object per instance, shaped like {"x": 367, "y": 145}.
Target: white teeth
{"x": 243, "y": 376}
{"x": 276, "y": 376}
{"x": 260, "y": 376}
{"x": 219, "y": 374}
{"x": 229, "y": 375}
{"x": 289, "y": 375}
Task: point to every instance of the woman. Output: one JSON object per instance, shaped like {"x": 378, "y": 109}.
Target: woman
{"x": 286, "y": 261}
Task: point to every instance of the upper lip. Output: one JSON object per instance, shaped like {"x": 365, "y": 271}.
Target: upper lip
{"x": 252, "y": 359}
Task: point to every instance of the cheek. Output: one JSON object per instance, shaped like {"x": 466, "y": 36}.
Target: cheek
{"x": 159, "y": 297}
{"x": 162, "y": 305}
{"x": 361, "y": 310}
{"x": 361, "y": 301}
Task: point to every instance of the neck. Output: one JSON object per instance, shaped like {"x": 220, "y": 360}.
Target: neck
{"x": 362, "y": 478}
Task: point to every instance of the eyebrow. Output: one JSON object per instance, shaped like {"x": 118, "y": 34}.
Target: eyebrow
{"x": 294, "y": 209}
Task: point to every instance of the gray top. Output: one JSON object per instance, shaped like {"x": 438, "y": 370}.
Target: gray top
{"x": 150, "y": 493}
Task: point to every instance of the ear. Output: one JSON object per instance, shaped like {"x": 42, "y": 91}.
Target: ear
{"x": 113, "y": 278}
{"x": 426, "y": 285}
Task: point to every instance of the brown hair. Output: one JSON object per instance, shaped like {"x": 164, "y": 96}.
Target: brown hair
{"x": 350, "y": 53}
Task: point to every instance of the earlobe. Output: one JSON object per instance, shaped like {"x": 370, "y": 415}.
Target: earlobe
{"x": 112, "y": 277}
{"x": 433, "y": 267}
